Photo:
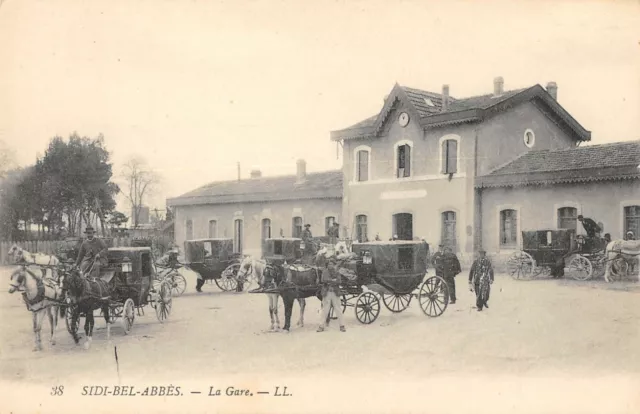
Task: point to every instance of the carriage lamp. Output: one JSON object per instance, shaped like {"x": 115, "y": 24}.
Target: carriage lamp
{"x": 366, "y": 258}
{"x": 127, "y": 267}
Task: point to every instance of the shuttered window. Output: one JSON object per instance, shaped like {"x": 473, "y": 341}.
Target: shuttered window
{"x": 450, "y": 156}
{"x": 361, "y": 228}
{"x": 213, "y": 229}
{"x": 189, "y": 230}
{"x": 404, "y": 161}
{"x": 296, "y": 227}
{"x": 266, "y": 229}
{"x": 508, "y": 228}
{"x": 363, "y": 166}
{"x": 568, "y": 218}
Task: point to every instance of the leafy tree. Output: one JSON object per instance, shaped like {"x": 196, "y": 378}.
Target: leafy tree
{"x": 117, "y": 219}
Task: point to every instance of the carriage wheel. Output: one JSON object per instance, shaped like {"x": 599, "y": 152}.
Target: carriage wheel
{"x": 434, "y": 296}
{"x": 396, "y": 303}
{"x": 520, "y": 265}
{"x": 619, "y": 269}
{"x": 164, "y": 303}
{"x": 227, "y": 281}
{"x": 332, "y": 312}
{"x": 128, "y": 315}
{"x": 580, "y": 268}
{"x": 178, "y": 284}
{"x": 367, "y": 307}
{"x": 68, "y": 314}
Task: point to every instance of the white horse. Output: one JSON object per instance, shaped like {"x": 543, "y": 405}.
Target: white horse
{"x": 42, "y": 296}
{"x": 629, "y": 250}
{"x": 45, "y": 261}
{"x": 256, "y": 267}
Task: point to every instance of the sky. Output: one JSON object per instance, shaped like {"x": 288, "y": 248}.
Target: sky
{"x": 195, "y": 87}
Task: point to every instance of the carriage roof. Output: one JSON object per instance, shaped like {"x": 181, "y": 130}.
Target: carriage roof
{"x": 290, "y": 239}
{"x": 129, "y": 249}
{"x": 213, "y": 239}
{"x": 195, "y": 251}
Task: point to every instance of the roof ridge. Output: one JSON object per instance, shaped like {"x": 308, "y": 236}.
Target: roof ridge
{"x": 472, "y": 96}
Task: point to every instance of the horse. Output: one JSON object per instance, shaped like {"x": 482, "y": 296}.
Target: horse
{"x": 87, "y": 295}
{"x": 20, "y": 255}
{"x": 257, "y": 267}
{"x": 629, "y": 250}
{"x": 42, "y": 296}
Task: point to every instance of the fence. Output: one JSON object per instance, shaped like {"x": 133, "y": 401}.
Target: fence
{"x": 52, "y": 246}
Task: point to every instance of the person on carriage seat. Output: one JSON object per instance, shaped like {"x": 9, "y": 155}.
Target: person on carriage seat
{"x": 92, "y": 255}
{"x": 629, "y": 236}
{"x": 334, "y": 233}
{"x": 307, "y": 238}
{"x": 590, "y": 226}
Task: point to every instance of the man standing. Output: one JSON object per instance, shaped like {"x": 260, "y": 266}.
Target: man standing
{"x": 480, "y": 279}
{"x": 92, "y": 254}
{"x": 436, "y": 261}
{"x": 450, "y": 268}
{"x": 590, "y": 226}
{"x": 330, "y": 291}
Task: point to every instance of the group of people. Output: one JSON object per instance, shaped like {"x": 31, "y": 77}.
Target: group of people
{"x": 481, "y": 276}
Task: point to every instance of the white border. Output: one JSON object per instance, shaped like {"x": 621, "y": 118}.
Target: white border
{"x": 623, "y": 204}
{"x": 516, "y": 208}
{"x": 524, "y": 138}
{"x": 395, "y": 158}
{"x": 355, "y": 163}
{"x": 441, "y": 142}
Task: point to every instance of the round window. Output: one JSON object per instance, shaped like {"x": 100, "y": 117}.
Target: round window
{"x": 529, "y": 138}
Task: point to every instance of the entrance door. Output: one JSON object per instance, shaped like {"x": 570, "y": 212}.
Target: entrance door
{"x": 403, "y": 226}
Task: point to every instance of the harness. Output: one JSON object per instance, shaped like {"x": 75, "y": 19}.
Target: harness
{"x": 40, "y": 294}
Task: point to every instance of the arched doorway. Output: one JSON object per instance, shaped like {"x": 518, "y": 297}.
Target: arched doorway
{"x": 403, "y": 226}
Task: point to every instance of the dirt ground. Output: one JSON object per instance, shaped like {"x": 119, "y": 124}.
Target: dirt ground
{"x": 543, "y": 346}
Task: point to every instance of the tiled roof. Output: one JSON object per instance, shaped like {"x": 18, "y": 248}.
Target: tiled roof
{"x": 428, "y": 105}
{"x": 327, "y": 184}
{"x": 618, "y": 160}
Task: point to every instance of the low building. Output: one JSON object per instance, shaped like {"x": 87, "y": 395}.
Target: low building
{"x": 549, "y": 189}
{"x": 251, "y": 210}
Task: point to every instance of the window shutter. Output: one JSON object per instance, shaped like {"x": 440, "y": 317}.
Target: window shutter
{"x": 445, "y": 159}
{"x": 364, "y": 165}
{"x": 452, "y": 156}
{"x": 514, "y": 226}
{"x": 407, "y": 161}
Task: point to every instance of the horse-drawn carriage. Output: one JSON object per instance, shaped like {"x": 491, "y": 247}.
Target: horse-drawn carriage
{"x": 546, "y": 252}
{"x": 390, "y": 271}
{"x": 213, "y": 259}
{"x": 128, "y": 277}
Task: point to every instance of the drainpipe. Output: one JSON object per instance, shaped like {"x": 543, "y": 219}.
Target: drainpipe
{"x": 477, "y": 197}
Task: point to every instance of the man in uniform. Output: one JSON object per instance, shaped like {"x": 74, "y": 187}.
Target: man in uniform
{"x": 480, "y": 279}
{"x": 330, "y": 291}
{"x": 450, "y": 268}
{"x": 306, "y": 233}
{"x": 92, "y": 254}
{"x": 590, "y": 226}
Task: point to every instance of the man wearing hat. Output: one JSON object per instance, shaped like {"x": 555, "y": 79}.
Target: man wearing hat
{"x": 334, "y": 233}
{"x": 330, "y": 291}
{"x": 92, "y": 250}
{"x": 590, "y": 226}
{"x": 480, "y": 279}
{"x": 450, "y": 268}
{"x": 629, "y": 236}
{"x": 306, "y": 233}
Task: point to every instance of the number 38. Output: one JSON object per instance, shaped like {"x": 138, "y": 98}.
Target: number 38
{"x": 57, "y": 390}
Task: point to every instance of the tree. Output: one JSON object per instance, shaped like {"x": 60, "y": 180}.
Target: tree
{"x": 117, "y": 219}
{"x": 141, "y": 182}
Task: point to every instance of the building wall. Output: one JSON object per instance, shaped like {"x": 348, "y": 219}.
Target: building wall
{"x": 537, "y": 207}
{"x": 280, "y": 213}
{"x": 501, "y": 137}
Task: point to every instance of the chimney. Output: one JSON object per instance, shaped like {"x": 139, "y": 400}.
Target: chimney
{"x": 238, "y": 171}
{"x": 498, "y": 86}
{"x": 256, "y": 174}
{"x": 445, "y": 98}
{"x": 301, "y": 171}
{"x": 552, "y": 88}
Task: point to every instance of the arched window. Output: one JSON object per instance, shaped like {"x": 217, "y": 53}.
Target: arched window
{"x": 266, "y": 229}
{"x": 189, "y": 229}
{"x": 449, "y": 156}
{"x": 449, "y": 229}
{"x": 403, "y": 159}
{"x": 213, "y": 229}
{"x": 361, "y": 228}
{"x": 237, "y": 236}
{"x": 568, "y": 218}
{"x": 362, "y": 163}
{"x": 328, "y": 223}
{"x": 508, "y": 228}
{"x": 632, "y": 221}
{"x": 296, "y": 227}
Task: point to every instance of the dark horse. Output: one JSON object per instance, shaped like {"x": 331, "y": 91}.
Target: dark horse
{"x": 85, "y": 296}
{"x": 293, "y": 282}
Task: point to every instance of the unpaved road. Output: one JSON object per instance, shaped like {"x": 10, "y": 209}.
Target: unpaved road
{"x": 543, "y": 346}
